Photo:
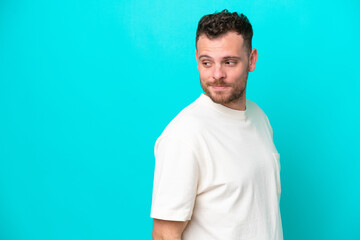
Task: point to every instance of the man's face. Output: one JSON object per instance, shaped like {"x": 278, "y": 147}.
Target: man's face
{"x": 223, "y": 65}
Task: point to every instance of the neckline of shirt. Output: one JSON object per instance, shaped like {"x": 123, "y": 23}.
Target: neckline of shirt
{"x": 238, "y": 114}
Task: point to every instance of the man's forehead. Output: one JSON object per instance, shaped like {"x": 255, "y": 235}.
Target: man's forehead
{"x": 228, "y": 40}
{"x": 226, "y": 46}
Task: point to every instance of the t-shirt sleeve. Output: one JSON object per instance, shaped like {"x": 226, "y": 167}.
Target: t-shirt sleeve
{"x": 175, "y": 180}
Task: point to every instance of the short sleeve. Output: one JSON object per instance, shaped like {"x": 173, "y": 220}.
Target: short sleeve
{"x": 175, "y": 180}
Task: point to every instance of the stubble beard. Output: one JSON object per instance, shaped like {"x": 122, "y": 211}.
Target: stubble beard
{"x": 237, "y": 92}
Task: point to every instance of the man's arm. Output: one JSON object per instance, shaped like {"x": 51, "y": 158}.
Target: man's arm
{"x": 168, "y": 230}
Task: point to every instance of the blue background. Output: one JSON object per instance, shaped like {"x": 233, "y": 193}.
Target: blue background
{"x": 86, "y": 87}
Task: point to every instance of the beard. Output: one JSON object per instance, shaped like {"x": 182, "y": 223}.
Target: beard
{"x": 233, "y": 94}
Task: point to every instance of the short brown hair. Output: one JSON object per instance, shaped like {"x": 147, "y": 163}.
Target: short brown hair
{"x": 218, "y": 24}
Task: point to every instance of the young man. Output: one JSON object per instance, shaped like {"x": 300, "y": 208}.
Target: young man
{"x": 217, "y": 171}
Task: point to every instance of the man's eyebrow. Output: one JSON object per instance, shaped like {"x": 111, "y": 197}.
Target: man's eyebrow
{"x": 204, "y": 56}
{"x": 232, "y": 57}
{"x": 226, "y": 57}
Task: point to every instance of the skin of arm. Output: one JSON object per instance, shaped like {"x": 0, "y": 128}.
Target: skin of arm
{"x": 168, "y": 230}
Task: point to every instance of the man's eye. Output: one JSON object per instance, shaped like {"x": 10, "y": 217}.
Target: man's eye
{"x": 206, "y": 64}
{"x": 230, "y": 62}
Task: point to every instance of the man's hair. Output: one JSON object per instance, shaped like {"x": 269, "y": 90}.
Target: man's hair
{"x": 218, "y": 24}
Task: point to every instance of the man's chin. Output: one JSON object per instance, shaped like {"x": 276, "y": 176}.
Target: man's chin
{"x": 220, "y": 98}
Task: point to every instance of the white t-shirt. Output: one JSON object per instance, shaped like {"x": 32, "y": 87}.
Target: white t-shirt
{"x": 219, "y": 168}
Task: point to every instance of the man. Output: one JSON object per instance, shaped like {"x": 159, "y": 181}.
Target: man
{"x": 217, "y": 169}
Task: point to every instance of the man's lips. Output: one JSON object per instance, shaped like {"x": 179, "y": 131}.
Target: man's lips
{"x": 219, "y": 87}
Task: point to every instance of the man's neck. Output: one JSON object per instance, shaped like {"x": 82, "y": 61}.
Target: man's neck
{"x": 239, "y": 105}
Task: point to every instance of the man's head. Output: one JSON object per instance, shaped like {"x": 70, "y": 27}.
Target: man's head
{"x": 224, "y": 57}
{"x": 218, "y": 24}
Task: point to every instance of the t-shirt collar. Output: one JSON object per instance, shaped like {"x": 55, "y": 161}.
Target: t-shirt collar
{"x": 223, "y": 109}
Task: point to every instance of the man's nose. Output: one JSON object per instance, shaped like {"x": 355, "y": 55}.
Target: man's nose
{"x": 219, "y": 72}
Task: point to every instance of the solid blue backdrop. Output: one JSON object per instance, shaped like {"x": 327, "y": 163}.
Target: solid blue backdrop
{"x": 86, "y": 87}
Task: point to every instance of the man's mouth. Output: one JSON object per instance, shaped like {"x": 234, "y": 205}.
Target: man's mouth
{"x": 219, "y": 87}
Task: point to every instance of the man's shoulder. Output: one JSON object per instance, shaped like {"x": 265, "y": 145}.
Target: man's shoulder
{"x": 254, "y": 109}
{"x": 187, "y": 120}
{"x": 258, "y": 116}
{"x": 185, "y": 129}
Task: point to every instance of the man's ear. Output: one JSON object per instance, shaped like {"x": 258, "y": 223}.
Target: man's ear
{"x": 252, "y": 59}
{"x": 196, "y": 57}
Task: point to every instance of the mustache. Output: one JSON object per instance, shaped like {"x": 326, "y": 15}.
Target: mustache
{"x": 219, "y": 84}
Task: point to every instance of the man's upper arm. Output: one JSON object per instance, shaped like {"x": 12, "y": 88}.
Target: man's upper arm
{"x": 175, "y": 181}
{"x": 168, "y": 230}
